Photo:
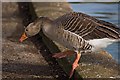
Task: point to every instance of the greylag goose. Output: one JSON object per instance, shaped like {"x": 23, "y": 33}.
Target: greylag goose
{"x": 76, "y": 31}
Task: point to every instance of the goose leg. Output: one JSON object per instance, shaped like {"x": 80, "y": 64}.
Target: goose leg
{"x": 75, "y": 64}
{"x": 63, "y": 54}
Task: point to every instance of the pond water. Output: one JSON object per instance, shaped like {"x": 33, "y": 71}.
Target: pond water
{"x": 104, "y": 11}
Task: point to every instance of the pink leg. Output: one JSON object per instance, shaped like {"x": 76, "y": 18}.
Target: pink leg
{"x": 75, "y": 64}
{"x": 63, "y": 54}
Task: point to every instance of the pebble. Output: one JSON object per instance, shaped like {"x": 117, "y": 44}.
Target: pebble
{"x": 56, "y": 76}
{"x": 112, "y": 77}
{"x": 98, "y": 75}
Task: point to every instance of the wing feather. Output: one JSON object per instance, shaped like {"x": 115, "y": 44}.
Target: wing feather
{"x": 88, "y": 27}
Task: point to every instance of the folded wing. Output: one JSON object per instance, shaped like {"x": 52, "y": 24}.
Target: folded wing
{"x": 88, "y": 27}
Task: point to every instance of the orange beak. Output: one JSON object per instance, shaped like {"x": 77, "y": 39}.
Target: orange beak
{"x": 23, "y": 37}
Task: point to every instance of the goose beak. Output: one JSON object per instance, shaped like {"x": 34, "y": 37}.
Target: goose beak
{"x": 23, "y": 37}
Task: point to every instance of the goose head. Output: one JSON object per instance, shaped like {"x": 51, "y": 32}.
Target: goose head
{"x": 32, "y": 29}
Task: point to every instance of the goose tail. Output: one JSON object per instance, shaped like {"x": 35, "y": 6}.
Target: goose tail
{"x": 99, "y": 44}
{"x": 109, "y": 30}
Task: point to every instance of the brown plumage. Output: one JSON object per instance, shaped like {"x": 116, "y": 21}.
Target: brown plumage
{"x": 88, "y": 27}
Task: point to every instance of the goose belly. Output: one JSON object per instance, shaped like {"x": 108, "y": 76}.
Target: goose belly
{"x": 69, "y": 40}
{"x": 60, "y": 38}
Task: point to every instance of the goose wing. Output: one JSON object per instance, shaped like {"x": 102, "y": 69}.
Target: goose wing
{"x": 88, "y": 27}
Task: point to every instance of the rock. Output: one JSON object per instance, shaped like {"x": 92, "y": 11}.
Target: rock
{"x": 20, "y": 60}
{"x": 11, "y": 21}
{"x": 98, "y": 65}
{"x": 52, "y": 10}
{"x": 23, "y": 61}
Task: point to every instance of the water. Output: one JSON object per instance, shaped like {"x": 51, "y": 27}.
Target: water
{"x": 103, "y": 11}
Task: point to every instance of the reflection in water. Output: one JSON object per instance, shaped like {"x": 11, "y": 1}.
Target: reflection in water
{"x": 102, "y": 11}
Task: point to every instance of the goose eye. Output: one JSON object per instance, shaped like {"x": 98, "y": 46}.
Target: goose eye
{"x": 26, "y": 30}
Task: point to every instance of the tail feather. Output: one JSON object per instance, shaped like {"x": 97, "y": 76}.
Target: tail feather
{"x": 111, "y": 30}
{"x": 104, "y": 30}
{"x": 108, "y": 32}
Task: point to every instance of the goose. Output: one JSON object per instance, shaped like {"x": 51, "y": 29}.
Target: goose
{"x": 76, "y": 31}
